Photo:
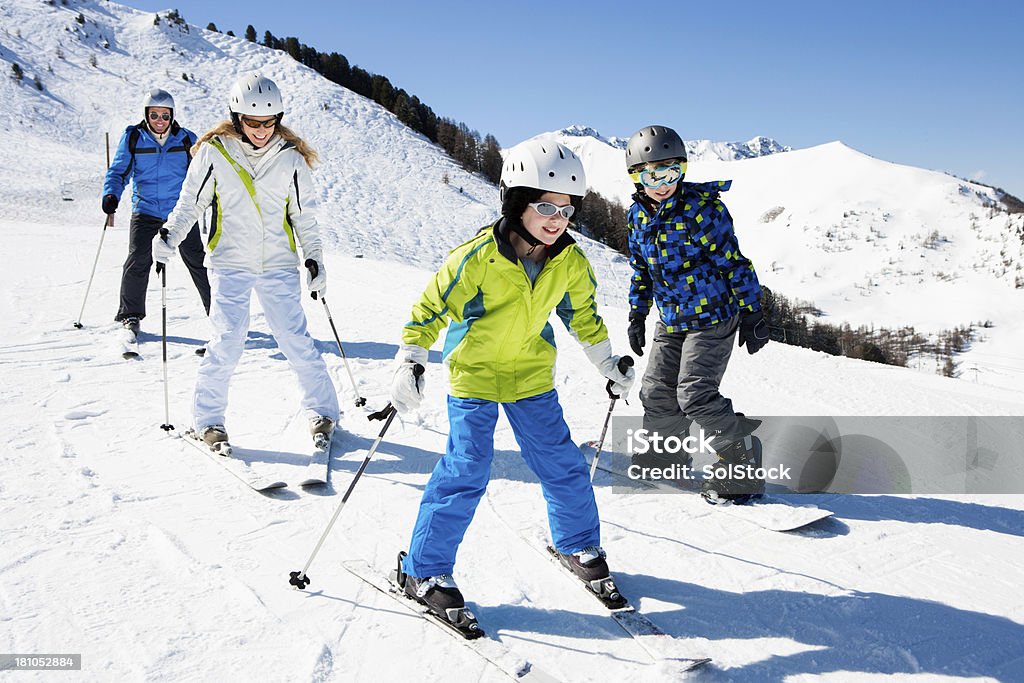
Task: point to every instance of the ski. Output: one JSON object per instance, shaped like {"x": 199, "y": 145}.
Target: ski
{"x": 494, "y": 652}
{"x": 768, "y": 512}
{"x": 662, "y": 647}
{"x": 318, "y": 471}
{"x": 237, "y": 468}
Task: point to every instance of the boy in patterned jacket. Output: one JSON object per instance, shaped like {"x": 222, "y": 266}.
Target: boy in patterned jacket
{"x": 686, "y": 260}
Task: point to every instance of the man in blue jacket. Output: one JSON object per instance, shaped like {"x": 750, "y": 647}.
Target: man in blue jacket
{"x": 154, "y": 155}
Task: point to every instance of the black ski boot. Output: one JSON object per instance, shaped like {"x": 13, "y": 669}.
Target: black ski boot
{"x": 133, "y": 325}
{"x": 733, "y": 477}
{"x": 590, "y": 567}
{"x": 442, "y": 597}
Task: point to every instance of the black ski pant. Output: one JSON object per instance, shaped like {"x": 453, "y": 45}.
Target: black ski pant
{"x": 135, "y": 276}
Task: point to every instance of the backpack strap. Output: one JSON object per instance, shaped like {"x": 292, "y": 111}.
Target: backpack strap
{"x": 189, "y": 142}
{"x": 133, "y": 141}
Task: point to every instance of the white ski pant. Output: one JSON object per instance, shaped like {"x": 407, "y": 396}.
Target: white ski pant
{"x": 280, "y": 295}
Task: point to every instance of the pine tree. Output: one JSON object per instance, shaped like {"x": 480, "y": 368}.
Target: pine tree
{"x": 250, "y": 33}
{"x": 212, "y": 27}
{"x": 490, "y": 159}
{"x": 16, "y": 72}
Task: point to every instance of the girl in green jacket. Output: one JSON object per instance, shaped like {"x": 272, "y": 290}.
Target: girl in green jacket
{"x": 499, "y": 289}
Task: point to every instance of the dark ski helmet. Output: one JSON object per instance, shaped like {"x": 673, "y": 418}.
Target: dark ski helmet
{"x": 654, "y": 143}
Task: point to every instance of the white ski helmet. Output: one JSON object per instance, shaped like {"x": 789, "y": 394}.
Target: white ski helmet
{"x": 157, "y": 98}
{"x": 257, "y": 95}
{"x": 543, "y": 164}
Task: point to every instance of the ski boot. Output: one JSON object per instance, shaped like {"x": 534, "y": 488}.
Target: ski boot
{"x": 216, "y": 439}
{"x": 590, "y": 567}
{"x": 321, "y": 427}
{"x": 736, "y": 464}
{"x": 133, "y": 325}
{"x": 442, "y": 597}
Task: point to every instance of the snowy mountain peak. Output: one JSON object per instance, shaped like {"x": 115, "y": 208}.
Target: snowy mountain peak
{"x": 696, "y": 149}
{"x": 580, "y": 131}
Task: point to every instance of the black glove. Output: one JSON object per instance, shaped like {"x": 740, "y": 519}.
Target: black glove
{"x": 637, "y": 333}
{"x": 109, "y": 204}
{"x": 753, "y": 331}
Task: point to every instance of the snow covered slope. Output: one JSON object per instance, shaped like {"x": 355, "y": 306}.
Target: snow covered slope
{"x": 133, "y": 549}
{"x": 129, "y": 547}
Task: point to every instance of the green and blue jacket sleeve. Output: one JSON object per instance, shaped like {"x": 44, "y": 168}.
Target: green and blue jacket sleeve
{"x": 578, "y": 309}
{"x": 445, "y": 295}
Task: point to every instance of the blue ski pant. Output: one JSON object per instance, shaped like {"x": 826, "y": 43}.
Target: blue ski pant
{"x": 460, "y": 479}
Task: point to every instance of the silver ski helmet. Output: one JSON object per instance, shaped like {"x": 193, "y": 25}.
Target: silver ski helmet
{"x": 157, "y": 98}
{"x": 256, "y": 95}
{"x": 654, "y": 143}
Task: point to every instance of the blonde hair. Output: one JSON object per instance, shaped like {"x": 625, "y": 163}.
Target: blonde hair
{"x": 227, "y": 128}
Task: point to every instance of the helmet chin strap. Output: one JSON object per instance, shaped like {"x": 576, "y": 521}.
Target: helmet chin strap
{"x": 520, "y": 229}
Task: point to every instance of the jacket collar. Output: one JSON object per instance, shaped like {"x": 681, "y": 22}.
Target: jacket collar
{"x": 172, "y": 133}
{"x": 233, "y": 145}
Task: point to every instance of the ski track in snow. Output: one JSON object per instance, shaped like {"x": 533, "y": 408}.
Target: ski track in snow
{"x": 126, "y": 545}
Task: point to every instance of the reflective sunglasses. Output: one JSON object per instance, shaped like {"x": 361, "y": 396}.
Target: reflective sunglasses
{"x": 253, "y": 123}
{"x": 659, "y": 175}
{"x": 547, "y": 209}
{"x": 153, "y": 116}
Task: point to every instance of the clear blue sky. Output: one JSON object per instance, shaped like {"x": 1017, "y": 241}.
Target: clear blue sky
{"x": 934, "y": 84}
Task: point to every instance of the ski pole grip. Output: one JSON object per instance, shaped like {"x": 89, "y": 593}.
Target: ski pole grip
{"x": 314, "y": 270}
{"x": 623, "y": 366}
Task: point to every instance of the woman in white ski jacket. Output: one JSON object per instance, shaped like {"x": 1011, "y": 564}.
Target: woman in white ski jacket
{"x": 255, "y": 173}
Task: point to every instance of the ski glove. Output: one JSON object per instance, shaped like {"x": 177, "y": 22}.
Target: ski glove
{"x": 637, "y": 333}
{"x": 406, "y": 387}
{"x": 600, "y": 355}
{"x": 163, "y": 252}
{"x": 316, "y": 273}
{"x": 753, "y": 331}
{"x": 109, "y": 204}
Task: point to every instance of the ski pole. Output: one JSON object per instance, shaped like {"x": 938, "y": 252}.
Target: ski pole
{"x": 108, "y": 222}
{"x": 314, "y": 269}
{"x": 625, "y": 363}
{"x": 161, "y": 268}
{"x": 299, "y": 579}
